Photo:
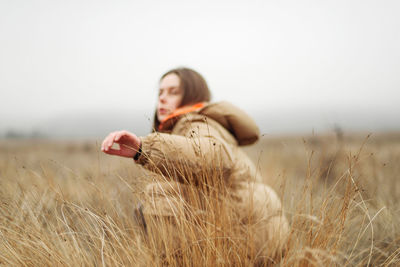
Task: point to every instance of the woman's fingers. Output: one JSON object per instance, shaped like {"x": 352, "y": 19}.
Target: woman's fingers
{"x": 108, "y": 141}
{"x": 103, "y": 145}
{"x": 128, "y": 144}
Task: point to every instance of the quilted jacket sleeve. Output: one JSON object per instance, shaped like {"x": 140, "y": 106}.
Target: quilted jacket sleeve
{"x": 197, "y": 153}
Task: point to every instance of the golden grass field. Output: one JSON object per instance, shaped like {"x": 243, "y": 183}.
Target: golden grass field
{"x": 65, "y": 203}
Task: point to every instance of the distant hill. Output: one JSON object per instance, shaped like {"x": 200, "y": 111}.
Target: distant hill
{"x": 97, "y": 124}
{"x": 306, "y": 121}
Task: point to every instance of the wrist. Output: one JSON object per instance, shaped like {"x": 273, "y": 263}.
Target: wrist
{"x": 138, "y": 152}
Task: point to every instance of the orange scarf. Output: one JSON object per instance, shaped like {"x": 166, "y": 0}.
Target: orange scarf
{"x": 181, "y": 111}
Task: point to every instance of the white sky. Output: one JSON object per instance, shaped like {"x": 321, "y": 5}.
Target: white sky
{"x": 59, "y": 56}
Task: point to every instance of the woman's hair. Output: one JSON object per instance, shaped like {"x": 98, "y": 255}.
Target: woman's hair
{"x": 193, "y": 85}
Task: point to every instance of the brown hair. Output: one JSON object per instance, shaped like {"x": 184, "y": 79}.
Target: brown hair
{"x": 193, "y": 85}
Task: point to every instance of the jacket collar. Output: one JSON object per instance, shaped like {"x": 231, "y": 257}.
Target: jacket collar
{"x": 232, "y": 118}
{"x": 171, "y": 119}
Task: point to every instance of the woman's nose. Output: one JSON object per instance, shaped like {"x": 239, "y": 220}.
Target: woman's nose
{"x": 162, "y": 98}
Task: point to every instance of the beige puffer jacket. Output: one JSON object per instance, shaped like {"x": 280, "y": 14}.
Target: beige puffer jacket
{"x": 201, "y": 149}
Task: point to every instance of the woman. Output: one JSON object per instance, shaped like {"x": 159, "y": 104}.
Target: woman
{"x": 194, "y": 147}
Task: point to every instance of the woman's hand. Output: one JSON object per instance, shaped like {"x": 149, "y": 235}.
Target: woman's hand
{"x": 128, "y": 142}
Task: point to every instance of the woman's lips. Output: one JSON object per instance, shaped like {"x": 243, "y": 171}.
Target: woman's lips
{"x": 163, "y": 111}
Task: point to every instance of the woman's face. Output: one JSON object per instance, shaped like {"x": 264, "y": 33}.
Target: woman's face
{"x": 170, "y": 96}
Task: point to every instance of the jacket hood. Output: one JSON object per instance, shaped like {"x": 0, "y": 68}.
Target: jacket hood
{"x": 235, "y": 120}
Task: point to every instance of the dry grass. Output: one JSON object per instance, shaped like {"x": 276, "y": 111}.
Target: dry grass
{"x": 66, "y": 204}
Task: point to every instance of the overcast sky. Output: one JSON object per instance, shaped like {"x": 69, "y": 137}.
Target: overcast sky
{"x": 60, "y": 57}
